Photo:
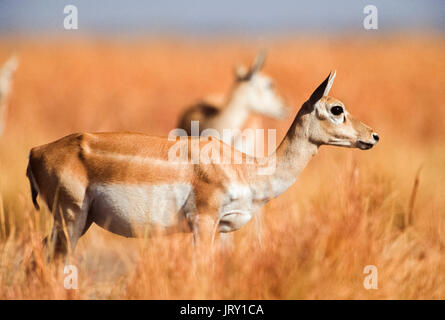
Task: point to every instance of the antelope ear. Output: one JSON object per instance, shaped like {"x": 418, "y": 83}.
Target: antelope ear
{"x": 259, "y": 61}
{"x": 241, "y": 72}
{"x": 323, "y": 89}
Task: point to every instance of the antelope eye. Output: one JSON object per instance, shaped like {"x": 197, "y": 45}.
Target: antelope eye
{"x": 336, "y": 110}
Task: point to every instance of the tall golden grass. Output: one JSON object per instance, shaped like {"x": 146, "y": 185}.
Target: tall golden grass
{"x": 349, "y": 208}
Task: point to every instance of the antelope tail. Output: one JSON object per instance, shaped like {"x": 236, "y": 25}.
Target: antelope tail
{"x": 33, "y": 184}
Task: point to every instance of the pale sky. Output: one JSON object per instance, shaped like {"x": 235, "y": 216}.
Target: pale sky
{"x": 227, "y": 17}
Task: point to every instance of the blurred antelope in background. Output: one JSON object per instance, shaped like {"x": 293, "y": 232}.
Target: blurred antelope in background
{"x": 252, "y": 93}
{"x": 5, "y": 87}
{"x": 127, "y": 183}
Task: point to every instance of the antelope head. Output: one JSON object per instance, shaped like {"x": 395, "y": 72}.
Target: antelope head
{"x": 328, "y": 122}
{"x": 257, "y": 90}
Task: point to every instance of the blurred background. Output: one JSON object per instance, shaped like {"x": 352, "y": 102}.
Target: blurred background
{"x": 209, "y": 18}
{"x": 136, "y": 66}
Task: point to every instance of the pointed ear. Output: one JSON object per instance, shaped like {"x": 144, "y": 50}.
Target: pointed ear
{"x": 9, "y": 67}
{"x": 323, "y": 89}
{"x": 259, "y": 61}
{"x": 241, "y": 72}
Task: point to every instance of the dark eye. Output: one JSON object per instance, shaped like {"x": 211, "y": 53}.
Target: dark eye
{"x": 336, "y": 110}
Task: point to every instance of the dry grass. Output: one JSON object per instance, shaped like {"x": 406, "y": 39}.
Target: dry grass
{"x": 349, "y": 209}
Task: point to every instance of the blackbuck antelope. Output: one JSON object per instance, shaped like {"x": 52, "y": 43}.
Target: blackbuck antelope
{"x": 129, "y": 184}
{"x": 252, "y": 93}
{"x": 5, "y": 87}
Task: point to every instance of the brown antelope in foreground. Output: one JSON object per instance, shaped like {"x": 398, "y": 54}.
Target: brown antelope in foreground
{"x": 125, "y": 183}
{"x": 5, "y": 87}
{"x": 252, "y": 93}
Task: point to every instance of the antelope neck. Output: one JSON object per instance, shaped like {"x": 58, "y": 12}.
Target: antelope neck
{"x": 291, "y": 157}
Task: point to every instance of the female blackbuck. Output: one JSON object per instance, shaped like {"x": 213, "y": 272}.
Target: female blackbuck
{"x": 252, "y": 93}
{"x": 5, "y": 87}
{"x": 133, "y": 185}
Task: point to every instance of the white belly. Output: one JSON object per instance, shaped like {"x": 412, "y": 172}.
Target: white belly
{"x": 134, "y": 210}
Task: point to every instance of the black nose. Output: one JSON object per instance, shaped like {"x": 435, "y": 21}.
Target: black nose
{"x": 375, "y": 136}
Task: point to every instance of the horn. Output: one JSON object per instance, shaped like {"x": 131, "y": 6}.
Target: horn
{"x": 258, "y": 62}
{"x": 323, "y": 89}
